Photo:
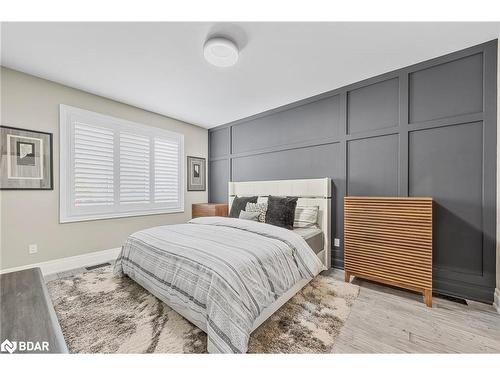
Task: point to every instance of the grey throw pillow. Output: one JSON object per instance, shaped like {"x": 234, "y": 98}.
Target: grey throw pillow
{"x": 239, "y": 204}
{"x": 281, "y": 211}
{"x": 254, "y": 216}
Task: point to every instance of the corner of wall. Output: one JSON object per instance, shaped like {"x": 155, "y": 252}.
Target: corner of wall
{"x": 497, "y": 292}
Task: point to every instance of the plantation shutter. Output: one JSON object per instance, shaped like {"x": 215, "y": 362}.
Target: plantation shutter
{"x": 134, "y": 169}
{"x": 115, "y": 168}
{"x": 93, "y": 166}
{"x": 166, "y": 170}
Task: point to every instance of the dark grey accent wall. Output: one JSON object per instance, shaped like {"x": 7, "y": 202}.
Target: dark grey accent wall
{"x": 424, "y": 130}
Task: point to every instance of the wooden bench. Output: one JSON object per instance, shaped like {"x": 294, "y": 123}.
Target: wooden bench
{"x": 27, "y": 314}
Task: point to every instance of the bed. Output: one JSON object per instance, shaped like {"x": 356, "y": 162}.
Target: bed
{"x": 228, "y": 275}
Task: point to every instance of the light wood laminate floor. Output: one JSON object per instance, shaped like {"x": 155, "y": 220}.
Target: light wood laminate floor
{"x": 390, "y": 320}
{"x": 384, "y": 319}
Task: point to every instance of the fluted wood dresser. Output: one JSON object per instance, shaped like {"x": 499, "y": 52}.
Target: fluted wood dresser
{"x": 389, "y": 240}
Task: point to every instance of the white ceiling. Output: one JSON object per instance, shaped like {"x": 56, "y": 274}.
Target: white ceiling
{"x": 160, "y": 66}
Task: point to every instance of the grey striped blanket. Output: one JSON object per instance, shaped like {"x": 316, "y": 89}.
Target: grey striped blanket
{"x": 219, "y": 273}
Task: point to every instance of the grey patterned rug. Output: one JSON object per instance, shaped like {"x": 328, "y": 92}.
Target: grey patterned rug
{"x": 101, "y": 313}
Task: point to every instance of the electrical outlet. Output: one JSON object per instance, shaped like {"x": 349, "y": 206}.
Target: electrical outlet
{"x": 33, "y": 248}
{"x": 336, "y": 242}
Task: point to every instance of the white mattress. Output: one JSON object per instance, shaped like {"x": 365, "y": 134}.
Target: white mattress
{"x": 313, "y": 236}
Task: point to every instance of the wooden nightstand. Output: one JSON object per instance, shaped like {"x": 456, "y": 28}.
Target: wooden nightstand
{"x": 209, "y": 209}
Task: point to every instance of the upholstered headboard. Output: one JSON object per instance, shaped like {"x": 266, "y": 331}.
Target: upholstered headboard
{"x": 311, "y": 192}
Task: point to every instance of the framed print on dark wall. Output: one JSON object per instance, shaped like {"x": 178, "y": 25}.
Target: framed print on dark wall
{"x": 25, "y": 159}
{"x": 196, "y": 180}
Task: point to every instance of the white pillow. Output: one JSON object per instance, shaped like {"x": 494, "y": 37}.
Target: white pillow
{"x": 254, "y": 216}
{"x": 261, "y": 208}
{"x": 305, "y": 216}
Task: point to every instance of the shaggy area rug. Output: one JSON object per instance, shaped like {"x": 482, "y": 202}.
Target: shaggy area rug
{"x": 102, "y": 313}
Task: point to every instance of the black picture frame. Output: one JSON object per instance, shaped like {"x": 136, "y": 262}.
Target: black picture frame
{"x": 201, "y": 173}
{"x": 50, "y": 157}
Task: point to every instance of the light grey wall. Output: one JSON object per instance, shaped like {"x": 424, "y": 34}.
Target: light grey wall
{"x": 427, "y": 130}
{"x": 29, "y": 217}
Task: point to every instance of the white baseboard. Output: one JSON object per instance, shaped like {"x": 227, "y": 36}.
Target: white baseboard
{"x": 70, "y": 263}
{"x": 496, "y": 303}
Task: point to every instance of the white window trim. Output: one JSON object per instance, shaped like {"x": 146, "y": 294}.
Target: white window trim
{"x": 66, "y": 115}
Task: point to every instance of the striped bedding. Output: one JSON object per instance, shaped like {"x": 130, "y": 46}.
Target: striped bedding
{"x": 219, "y": 273}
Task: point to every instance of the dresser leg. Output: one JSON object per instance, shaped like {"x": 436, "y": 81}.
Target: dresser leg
{"x": 347, "y": 276}
{"x": 428, "y": 297}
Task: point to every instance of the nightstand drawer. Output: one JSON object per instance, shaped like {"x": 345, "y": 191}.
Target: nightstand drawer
{"x": 209, "y": 209}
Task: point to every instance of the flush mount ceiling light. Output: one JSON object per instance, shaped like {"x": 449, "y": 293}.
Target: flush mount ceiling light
{"x": 221, "y": 52}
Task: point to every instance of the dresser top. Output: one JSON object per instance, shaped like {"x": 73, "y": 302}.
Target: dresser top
{"x": 209, "y": 204}
{"x": 389, "y": 198}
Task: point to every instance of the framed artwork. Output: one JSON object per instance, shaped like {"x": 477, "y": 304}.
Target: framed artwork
{"x": 25, "y": 159}
{"x": 196, "y": 174}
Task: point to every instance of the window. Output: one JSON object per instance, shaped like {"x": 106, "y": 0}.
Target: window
{"x": 115, "y": 168}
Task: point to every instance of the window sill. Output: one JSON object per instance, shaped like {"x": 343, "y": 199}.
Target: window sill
{"x": 120, "y": 215}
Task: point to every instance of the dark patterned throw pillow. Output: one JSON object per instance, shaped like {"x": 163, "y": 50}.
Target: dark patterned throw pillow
{"x": 239, "y": 204}
{"x": 281, "y": 211}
